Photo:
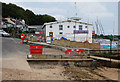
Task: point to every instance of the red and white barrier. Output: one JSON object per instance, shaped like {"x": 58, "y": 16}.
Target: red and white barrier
{"x": 36, "y": 49}
{"x": 74, "y": 51}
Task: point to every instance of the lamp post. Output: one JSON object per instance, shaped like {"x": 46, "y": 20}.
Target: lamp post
{"x": 74, "y": 30}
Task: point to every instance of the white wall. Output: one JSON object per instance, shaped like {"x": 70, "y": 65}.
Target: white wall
{"x": 68, "y": 32}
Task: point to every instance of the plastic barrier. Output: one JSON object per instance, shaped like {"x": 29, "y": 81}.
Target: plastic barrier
{"x": 36, "y": 49}
{"x": 74, "y": 51}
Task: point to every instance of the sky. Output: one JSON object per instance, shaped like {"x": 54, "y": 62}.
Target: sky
{"x": 106, "y": 11}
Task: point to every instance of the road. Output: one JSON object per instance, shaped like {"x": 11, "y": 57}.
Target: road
{"x": 13, "y": 48}
{"x": 15, "y": 66}
{"x": 14, "y": 54}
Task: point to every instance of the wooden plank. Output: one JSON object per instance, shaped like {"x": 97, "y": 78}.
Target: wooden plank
{"x": 106, "y": 59}
{"x": 61, "y": 60}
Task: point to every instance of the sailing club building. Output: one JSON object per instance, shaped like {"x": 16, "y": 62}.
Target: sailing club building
{"x": 72, "y": 29}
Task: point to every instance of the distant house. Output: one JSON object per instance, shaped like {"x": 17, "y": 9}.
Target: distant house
{"x": 5, "y": 23}
{"x": 35, "y": 28}
{"x": 32, "y": 28}
{"x": 72, "y": 29}
{"x": 14, "y": 23}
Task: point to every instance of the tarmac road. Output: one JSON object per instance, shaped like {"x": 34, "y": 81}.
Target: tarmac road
{"x": 15, "y": 66}
{"x": 13, "y": 48}
{"x": 14, "y": 54}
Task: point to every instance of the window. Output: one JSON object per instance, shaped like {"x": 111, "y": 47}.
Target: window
{"x": 68, "y": 26}
{"x": 74, "y": 26}
{"x": 80, "y": 28}
{"x": 60, "y": 32}
{"x": 50, "y": 26}
{"x": 80, "y": 25}
{"x": 86, "y": 26}
{"x": 60, "y": 27}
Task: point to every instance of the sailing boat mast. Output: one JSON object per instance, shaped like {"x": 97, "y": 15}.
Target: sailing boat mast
{"x": 99, "y": 27}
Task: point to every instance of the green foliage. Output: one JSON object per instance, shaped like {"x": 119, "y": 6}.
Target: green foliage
{"x": 12, "y": 29}
{"x": 23, "y": 32}
{"x": 111, "y": 37}
{"x": 15, "y": 11}
{"x": 101, "y": 36}
{"x": 116, "y": 37}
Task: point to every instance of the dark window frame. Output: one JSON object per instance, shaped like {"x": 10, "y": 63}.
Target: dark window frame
{"x": 80, "y": 25}
{"x": 86, "y": 26}
{"x": 80, "y": 28}
{"x": 60, "y": 27}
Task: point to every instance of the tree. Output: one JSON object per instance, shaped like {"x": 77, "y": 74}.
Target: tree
{"x": 15, "y": 11}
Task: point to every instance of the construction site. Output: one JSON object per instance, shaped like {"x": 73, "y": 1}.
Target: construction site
{"x": 43, "y": 48}
{"x": 41, "y": 61}
{"x": 46, "y": 56}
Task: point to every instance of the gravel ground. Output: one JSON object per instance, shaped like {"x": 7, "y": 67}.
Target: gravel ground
{"x": 55, "y": 73}
{"x": 15, "y": 74}
{"x": 101, "y": 73}
{"x": 60, "y": 73}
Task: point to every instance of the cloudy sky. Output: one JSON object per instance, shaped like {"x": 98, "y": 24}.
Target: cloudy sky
{"x": 105, "y": 11}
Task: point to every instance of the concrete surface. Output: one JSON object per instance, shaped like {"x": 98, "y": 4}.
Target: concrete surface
{"x": 14, "y": 54}
{"x": 106, "y": 59}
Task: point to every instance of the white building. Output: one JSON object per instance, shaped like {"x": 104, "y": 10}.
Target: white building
{"x": 72, "y": 29}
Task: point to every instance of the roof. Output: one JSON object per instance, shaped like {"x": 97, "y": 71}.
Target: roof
{"x": 13, "y": 21}
{"x": 67, "y": 21}
{"x": 50, "y": 23}
{"x": 37, "y": 26}
{"x": 34, "y": 27}
{"x": 9, "y": 21}
{"x": 75, "y": 18}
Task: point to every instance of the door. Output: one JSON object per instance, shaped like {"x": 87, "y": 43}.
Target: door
{"x": 50, "y": 34}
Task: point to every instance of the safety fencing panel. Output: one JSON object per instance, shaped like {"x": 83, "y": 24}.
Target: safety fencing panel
{"x": 36, "y": 49}
{"x": 75, "y": 52}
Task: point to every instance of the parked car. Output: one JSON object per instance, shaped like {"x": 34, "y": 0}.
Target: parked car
{"x": 3, "y": 33}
